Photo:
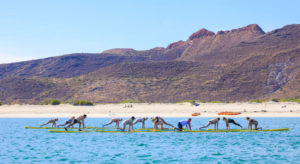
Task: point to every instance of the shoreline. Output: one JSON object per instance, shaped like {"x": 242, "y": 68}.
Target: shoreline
{"x": 286, "y": 109}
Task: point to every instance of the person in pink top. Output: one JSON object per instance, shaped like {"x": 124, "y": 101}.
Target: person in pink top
{"x": 114, "y": 120}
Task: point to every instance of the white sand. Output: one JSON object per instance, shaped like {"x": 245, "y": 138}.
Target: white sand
{"x": 165, "y": 110}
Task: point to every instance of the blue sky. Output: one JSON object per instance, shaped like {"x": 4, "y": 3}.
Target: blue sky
{"x": 33, "y": 29}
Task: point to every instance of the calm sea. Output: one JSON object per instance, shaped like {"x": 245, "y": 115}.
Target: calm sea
{"x": 20, "y": 145}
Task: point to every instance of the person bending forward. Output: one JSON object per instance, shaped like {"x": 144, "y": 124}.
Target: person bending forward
{"x": 252, "y": 122}
{"x": 214, "y": 122}
{"x": 79, "y": 120}
{"x": 228, "y": 121}
{"x": 184, "y": 123}
{"x": 53, "y": 121}
{"x": 113, "y": 120}
{"x": 128, "y": 122}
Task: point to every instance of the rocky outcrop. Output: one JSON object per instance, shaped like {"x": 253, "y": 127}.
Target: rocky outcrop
{"x": 201, "y": 34}
{"x": 176, "y": 44}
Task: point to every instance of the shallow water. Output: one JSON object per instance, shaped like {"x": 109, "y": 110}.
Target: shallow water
{"x": 20, "y": 145}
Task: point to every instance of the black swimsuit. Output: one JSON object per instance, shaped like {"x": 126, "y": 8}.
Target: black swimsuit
{"x": 232, "y": 121}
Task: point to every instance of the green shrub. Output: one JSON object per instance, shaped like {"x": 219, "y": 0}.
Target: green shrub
{"x": 0, "y": 103}
{"x": 215, "y": 102}
{"x": 275, "y": 100}
{"x": 193, "y": 102}
{"x": 256, "y": 101}
{"x": 50, "y": 102}
{"x": 83, "y": 102}
{"x": 129, "y": 101}
{"x": 294, "y": 99}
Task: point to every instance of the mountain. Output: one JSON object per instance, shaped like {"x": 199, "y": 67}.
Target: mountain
{"x": 236, "y": 65}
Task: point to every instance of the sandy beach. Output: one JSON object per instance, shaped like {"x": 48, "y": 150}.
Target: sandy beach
{"x": 269, "y": 109}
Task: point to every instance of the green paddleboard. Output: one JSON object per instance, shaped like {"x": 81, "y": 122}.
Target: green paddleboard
{"x": 185, "y": 131}
{"x": 27, "y": 127}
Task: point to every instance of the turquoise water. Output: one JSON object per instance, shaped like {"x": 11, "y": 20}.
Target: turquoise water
{"x": 20, "y": 145}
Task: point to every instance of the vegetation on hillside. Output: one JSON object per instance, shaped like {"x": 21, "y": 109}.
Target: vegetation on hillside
{"x": 294, "y": 99}
{"x": 83, "y": 102}
{"x": 129, "y": 101}
{"x": 50, "y": 102}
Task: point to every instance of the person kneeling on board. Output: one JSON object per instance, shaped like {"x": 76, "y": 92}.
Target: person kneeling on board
{"x": 114, "y": 120}
{"x": 184, "y": 122}
{"x": 79, "y": 120}
{"x": 128, "y": 122}
{"x": 252, "y": 122}
{"x": 67, "y": 122}
{"x": 142, "y": 120}
{"x": 53, "y": 121}
{"x": 159, "y": 121}
{"x": 228, "y": 121}
{"x": 213, "y": 121}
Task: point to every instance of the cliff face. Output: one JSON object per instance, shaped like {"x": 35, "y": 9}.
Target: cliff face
{"x": 240, "y": 64}
{"x": 211, "y": 44}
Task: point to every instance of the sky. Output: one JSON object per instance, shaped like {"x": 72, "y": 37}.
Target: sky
{"x": 34, "y": 29}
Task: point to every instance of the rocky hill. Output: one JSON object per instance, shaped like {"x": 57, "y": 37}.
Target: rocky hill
{"x": 236, "y": 65}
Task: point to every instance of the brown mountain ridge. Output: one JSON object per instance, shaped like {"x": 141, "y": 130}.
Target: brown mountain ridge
{"x": 236, "y": 65}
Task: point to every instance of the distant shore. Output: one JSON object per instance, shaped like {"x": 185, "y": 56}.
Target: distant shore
{"x": 269, "y": 109}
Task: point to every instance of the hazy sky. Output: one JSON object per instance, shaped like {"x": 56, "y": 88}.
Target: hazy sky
{"x": 32, "y": 29}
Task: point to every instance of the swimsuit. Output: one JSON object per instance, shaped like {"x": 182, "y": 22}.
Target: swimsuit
{"x": 232, "y": 121}
{"x": 69, "y": 121}
{"x": 75, "y": 121}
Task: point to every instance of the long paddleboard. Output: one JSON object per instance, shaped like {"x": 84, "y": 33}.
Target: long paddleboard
{"x": 70, "y": 131}
{"x": 186, "y": 131}
{"x": 28, "y": 127}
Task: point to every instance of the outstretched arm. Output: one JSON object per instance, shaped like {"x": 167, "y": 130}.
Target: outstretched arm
{"x": 44, "y": 124}
{"x": 110, "y": 122}
{"x": 205, "y": 126}
{"x": 135, "y": 122}
{"x": 167, "y": 123}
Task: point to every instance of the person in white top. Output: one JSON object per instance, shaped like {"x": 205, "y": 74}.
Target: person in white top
{"x": 128, "y": 122}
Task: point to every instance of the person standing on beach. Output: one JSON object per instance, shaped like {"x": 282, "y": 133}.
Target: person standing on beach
{"x": 142, "y": 120}
{"x": 159, "y": 121}
{"x": 213, "y": 121}
{"x": 113, "y": 120}
{"x": 128, "y": 122}
{"x": 228, "y": 121}
{"x": 53, "y": 121}
{"x": 79, "y": 120}
{"x": 252, "y": 122}
{"x": 184, "y": 123}
{"x": 67, "y": 122}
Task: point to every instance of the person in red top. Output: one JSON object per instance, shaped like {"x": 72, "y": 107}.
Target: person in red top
{"x": 184, "y": 122}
